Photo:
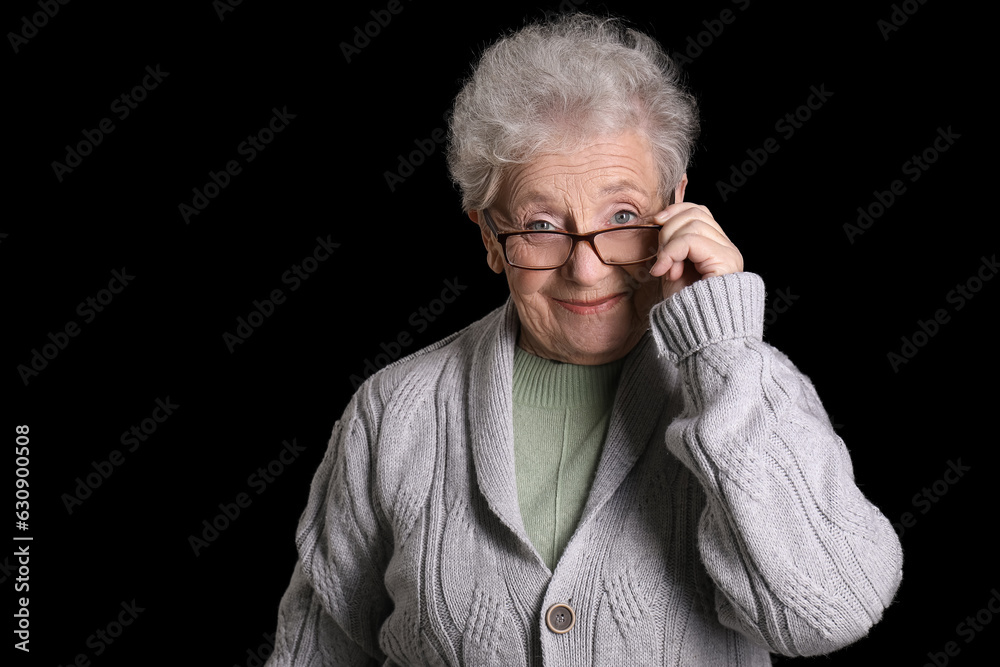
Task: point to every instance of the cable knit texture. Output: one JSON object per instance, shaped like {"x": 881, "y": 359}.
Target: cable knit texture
{"x": 723, "y": 522}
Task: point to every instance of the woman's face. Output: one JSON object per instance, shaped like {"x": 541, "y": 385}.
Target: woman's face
{"x": 584, "y": 312}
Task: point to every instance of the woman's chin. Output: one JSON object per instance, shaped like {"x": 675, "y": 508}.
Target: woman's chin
{"x": 585, "y": 348}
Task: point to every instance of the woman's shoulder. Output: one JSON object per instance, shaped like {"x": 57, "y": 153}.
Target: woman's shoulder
{"x": 442, "y": 365}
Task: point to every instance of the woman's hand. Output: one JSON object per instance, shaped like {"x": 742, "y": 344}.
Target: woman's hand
{"x": 692, "y": 246}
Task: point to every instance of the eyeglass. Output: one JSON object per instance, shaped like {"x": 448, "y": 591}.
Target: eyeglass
{"x": 538, "y": 250}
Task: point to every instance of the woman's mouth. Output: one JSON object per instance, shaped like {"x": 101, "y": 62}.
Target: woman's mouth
{"x": 589, "y": 307}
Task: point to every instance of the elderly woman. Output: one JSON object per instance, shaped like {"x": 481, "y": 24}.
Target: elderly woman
{"x": 612, "y": 468}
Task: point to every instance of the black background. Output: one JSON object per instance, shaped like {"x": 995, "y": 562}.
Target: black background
{"x": 324, "y": 175}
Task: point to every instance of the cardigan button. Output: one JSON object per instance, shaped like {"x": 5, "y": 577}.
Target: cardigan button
{"x": 560, "y": 618}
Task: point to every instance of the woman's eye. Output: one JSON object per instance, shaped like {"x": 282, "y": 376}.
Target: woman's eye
{"x": 540, "y": 226}
{"x": 623, "y": 217}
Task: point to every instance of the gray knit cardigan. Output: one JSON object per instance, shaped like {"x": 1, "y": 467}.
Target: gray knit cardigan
{"x": 723, "y": 522}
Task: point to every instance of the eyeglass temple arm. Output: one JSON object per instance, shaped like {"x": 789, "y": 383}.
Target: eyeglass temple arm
{"x": 489, "y": 222}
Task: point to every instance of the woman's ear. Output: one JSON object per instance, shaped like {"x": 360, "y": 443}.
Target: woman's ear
{"x": 494, "y": 253}
{"x": 679, "y": 190}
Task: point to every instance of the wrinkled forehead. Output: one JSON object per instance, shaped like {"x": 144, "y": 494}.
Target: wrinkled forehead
{"x": 606, "y": 167}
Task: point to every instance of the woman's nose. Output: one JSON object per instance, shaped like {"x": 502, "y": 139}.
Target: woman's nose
{"x": 584, "y": 266}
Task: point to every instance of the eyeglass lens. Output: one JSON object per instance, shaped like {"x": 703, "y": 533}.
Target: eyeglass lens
{"x": 617, "y": 246}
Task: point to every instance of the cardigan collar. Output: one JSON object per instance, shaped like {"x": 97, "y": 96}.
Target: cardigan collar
{"x": 639, "y": 402}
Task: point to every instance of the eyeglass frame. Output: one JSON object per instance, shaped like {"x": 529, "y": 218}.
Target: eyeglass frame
{"x": 576, "y": 237}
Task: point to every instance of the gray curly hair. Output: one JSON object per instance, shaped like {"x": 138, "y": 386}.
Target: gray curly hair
{"x": 554, "y": 86}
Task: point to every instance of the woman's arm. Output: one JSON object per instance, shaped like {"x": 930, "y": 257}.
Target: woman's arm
{"x": 336, "y": 601}
{"x": 800, "y": 558}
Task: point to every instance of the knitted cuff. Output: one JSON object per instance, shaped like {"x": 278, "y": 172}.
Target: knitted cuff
{"x": 708, "y": 311}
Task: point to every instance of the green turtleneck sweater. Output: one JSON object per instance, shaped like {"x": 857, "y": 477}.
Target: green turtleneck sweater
{"x": 561, "y": 415}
